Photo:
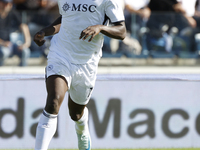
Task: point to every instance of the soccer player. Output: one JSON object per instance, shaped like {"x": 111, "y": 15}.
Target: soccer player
{"x": 73, "y": 60}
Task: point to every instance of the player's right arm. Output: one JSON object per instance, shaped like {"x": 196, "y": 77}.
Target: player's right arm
{"x": 47, "y": 31}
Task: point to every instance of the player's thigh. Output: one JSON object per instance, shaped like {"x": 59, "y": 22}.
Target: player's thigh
{"x": 56, "y": 86}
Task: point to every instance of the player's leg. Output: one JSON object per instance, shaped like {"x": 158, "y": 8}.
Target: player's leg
{"x": 56, "y": 89}
{"x": 81, "y": 88}
{"x": 79, "y": 113}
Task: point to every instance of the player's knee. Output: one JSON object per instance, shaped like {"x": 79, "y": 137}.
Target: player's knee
{"x": 75, "y": 116}
{"x": 53, "y": 106}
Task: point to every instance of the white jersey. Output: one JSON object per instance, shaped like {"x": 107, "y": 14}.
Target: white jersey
{"x": 77, "y": 15}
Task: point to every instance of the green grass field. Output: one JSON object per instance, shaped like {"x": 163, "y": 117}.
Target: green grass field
{"x": 123, "y": 149}
{"x": 143, "y": 149}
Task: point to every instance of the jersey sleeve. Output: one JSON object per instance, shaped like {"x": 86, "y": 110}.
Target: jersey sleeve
{"x": 114, "y": 11}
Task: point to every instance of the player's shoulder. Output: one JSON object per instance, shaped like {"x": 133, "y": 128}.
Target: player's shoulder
{"x": 119, "y": 2}
{"x": 110, "y": 1}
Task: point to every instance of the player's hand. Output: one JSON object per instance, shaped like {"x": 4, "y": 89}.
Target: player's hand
{"x": 39, "y": 38}
{"x": 90, "y": 31}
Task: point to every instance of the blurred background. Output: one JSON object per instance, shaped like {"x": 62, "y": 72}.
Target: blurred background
{"x": 160, "y": 32}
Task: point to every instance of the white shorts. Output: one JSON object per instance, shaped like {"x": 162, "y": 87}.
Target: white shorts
{"x": 80, "y": 78}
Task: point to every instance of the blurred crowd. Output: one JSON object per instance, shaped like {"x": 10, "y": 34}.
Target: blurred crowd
{"x": 19, "y": 21}
{"x": 155, "y": 28}
{"x": 160, "y": 29}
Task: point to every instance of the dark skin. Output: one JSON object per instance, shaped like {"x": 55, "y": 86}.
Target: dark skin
{"x": 57, "y": 85}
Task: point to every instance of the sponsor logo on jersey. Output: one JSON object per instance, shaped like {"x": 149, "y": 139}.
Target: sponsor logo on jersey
{"x": 79, "y": 7}
{"x": 66, "y": 7}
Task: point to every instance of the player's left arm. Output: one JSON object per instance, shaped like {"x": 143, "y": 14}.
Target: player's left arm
{"x": 116, "y": 30}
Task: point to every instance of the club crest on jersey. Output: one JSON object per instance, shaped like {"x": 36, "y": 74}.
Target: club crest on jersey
{"x": 79, "y": 7}
{"x": 50, "y": 67}
{"x": 66, "y": 7}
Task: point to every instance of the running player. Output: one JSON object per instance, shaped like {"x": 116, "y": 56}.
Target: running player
{"x": 73, "y": 60}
